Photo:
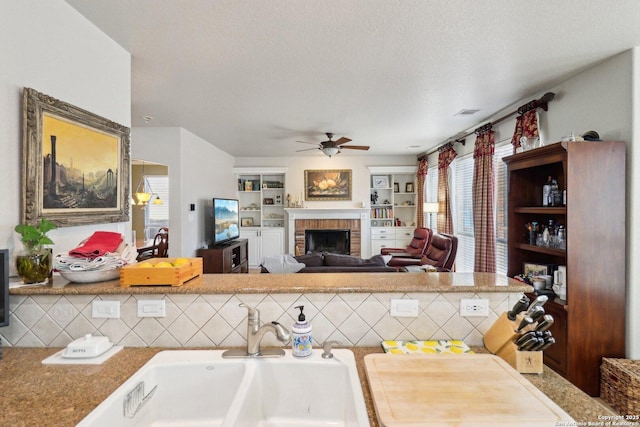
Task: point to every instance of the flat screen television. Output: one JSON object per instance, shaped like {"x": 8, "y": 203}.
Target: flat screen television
{"x": 227, "y": 220}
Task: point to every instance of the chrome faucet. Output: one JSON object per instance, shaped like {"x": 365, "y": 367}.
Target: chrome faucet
{"x": 255, "y": 333}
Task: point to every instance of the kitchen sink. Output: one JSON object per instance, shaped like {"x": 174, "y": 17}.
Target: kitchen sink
{"x": 200, "y": 388}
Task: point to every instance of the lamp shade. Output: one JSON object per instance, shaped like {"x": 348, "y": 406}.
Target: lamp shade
{"x": 330, "y": 151}
{"x": 143, "y": 197}
{"x": 430, "y": 207}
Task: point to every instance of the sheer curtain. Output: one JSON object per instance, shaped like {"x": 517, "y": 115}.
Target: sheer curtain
{"x": 483, "y": 203}
{"x": 422, "y": 176}
{"x": 446, "y": 155}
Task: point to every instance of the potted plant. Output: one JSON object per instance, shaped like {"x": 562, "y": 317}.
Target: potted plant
{"x": 34, "y": 265}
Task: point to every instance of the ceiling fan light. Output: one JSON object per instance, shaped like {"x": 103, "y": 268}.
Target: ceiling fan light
{"x": 330, "y": 151}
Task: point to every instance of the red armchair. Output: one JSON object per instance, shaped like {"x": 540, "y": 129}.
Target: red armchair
{"x": 412, "y": 254}
{"x": 441, "y": 252}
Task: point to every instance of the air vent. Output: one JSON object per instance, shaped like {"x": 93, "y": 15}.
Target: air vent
{"x": 466, "y": 112}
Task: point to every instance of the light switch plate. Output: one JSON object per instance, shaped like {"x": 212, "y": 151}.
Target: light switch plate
{"x": 152, "y": 308}
{"x": 105, "y": 310}
{"x": 404, "y": 308}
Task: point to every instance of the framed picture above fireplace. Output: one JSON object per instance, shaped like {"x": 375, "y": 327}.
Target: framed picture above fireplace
{"x": 327, "y": 184}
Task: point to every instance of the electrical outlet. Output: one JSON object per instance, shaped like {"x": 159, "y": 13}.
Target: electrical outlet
{"x": 474, "y": 307}
{"x": 105, "y": 310}
{"x": 404, "y": 308}
{"x": 152, "y": 308}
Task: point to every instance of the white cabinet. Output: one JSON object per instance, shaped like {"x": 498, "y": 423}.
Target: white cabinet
{"x": 393, "y": 195}
{"x": 263, "y": 242}
{"x": 261, "y": 195}
{"x": 254, "y": 246}
{"x": 403, "y": 236}
{"x": 272, "y": 241}
{"x": 398, "y": 237}
{"x": 382, "y": 238}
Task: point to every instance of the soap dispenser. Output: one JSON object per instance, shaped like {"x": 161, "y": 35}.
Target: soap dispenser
{"x": 301, "y": 334}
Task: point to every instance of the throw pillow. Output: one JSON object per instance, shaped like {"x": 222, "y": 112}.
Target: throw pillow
{"x": 342, "y": 260}
{"x": 312, "y": 259}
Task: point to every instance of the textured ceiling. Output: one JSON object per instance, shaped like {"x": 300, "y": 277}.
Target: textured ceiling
{"x": 252, "y": 77}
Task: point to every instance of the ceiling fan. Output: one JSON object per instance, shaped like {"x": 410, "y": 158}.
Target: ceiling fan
{"x": 331, "y": 148}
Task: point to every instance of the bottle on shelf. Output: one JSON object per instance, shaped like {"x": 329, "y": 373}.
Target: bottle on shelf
{"x": 546, "y": 191}
{"x": 555, "y": 196}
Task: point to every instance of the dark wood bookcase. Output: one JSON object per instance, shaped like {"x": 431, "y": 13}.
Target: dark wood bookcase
{"x": 590, "y": 323}
{"x": 229, "y": 258}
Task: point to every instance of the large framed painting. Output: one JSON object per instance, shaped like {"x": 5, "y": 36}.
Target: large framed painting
{"x": 75, "y": 164}
{"x": 327, "y": 184}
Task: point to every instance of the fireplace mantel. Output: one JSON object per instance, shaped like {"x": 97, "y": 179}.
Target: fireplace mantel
{"x": 327, "y": 213}
{"x": 362, "y": 214}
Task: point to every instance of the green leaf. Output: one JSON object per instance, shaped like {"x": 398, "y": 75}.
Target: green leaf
{"x": 46, "y": 226}
{"x": 46, "y": 241}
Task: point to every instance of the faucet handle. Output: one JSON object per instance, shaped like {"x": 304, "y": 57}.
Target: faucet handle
{"x": 326, "y": 348}
{"x": 254, "y": 314}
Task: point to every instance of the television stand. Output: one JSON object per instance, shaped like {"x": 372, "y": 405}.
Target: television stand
{"x": 232, "y": 257}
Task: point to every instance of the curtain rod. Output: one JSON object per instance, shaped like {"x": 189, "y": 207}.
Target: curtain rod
{"x": 543, "y": 103}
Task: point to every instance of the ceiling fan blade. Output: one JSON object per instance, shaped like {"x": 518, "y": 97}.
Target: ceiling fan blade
{"x": 342, "y": 140}
{"x": 308, "y": 149}
{"x": 355, "y": 147}
{"x": 305, "y": 142}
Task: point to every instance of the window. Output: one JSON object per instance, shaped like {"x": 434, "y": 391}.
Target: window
{"x": 462, "y": 209}
{"x": 156, "y": 216}
{"x": 500, "y": 169}
{"x": 431, "y": 190}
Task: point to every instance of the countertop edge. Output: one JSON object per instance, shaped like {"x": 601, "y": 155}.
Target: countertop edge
{"x": 296, "y": 283}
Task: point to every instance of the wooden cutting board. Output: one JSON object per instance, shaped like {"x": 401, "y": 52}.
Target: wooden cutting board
{"x": 455, "y": 390}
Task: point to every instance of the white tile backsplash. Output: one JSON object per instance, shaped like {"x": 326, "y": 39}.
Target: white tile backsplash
{"x": 216, "y": 320}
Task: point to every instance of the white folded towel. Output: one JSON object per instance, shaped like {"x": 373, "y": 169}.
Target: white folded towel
{"x": 282, "y": 264}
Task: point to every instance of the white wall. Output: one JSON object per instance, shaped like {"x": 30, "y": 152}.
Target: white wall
{"x": 198, "y": 171}
{"x": 48, "y": 46}
{"x": 633, "y": 215}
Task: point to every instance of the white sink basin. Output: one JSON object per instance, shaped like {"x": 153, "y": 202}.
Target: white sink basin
{"x": 200, "y": 388}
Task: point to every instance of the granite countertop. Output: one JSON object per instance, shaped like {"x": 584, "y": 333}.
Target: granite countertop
{"x": 295, "y": 283}
{"x": 61, "y": 395}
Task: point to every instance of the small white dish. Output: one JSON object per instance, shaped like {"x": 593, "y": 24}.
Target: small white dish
{"x": 87, "y": 347}
{"x": 57, "y": 359}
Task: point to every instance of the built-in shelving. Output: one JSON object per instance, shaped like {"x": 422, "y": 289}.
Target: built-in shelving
{"x": 393, "y": 209}
{"x": 262, "y": 199}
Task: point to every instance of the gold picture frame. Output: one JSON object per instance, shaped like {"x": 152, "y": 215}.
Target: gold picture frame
{"x": 327, "y": 184}
{"x": 75, "y": 164}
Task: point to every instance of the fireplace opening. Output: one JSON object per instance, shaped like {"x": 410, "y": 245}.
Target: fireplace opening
{"x": 332, "y": 241}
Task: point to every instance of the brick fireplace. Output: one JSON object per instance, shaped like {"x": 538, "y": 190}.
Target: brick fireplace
{"x": 356, "y": 220}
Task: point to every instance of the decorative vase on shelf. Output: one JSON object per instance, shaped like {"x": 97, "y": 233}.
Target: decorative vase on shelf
{"x": 34, "y": 264}
{"x": 34, "y": 267}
